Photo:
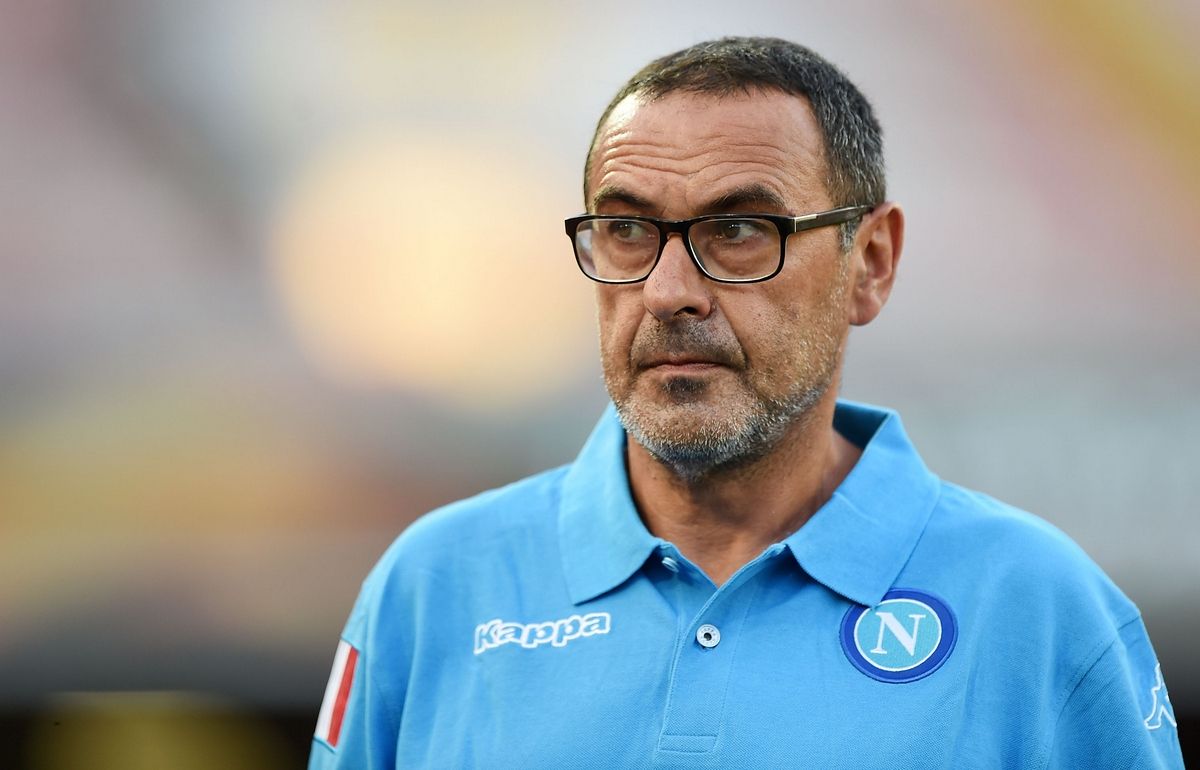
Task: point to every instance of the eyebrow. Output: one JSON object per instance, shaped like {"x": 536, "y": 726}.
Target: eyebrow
{"x": 747, "y": 198}
{"x": 751, "y": 197}
{"x": 614, "y": 194}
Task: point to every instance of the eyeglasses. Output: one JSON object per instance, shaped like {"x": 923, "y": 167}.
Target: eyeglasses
{"x": 729, "y": 248}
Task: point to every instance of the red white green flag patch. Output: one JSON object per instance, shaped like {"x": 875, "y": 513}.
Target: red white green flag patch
{"x": 337, "y": 694}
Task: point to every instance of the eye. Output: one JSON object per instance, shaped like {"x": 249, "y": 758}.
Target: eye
{"x": 735, "y": 231}
{"x": 626, "y": 230}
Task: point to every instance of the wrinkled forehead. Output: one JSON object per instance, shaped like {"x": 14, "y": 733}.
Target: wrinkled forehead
{"x": 701, "y": 141}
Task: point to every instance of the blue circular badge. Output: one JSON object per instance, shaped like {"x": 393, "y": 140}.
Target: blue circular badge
{"x": 905, "y": 637}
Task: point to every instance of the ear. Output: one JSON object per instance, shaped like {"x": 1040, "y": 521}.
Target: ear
{"x": 873, "y": 261}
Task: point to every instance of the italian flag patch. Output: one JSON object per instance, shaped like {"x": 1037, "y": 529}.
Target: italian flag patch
{"x": 337, "y": 694}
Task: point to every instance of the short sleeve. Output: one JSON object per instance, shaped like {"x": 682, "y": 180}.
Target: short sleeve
{"x": 358, "y": 724}
{"x": 1119, "y": 714}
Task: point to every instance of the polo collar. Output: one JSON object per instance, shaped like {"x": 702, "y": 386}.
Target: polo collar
{"x": 601, "y": 536}
{"x": 855, "y": 544}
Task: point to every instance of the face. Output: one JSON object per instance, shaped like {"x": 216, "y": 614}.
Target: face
{"x": 704, "y": 374}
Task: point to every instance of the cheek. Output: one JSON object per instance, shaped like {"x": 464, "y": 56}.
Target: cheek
{"x": 618, "y": 312}
{"x": 761, "y": 323}
{"x": 776, "y": 332}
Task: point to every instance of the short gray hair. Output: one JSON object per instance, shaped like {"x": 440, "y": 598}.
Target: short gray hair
{"x": 853, "y": 139}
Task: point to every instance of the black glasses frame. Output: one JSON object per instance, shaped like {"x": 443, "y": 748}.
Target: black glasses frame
{"x": 784, "y": 224}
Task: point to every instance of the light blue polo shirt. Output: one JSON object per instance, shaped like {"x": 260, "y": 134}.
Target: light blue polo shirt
{"x": 910, "y": 623}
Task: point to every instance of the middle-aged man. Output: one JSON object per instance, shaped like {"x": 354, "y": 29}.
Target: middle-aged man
{"x": 738, "y": 570}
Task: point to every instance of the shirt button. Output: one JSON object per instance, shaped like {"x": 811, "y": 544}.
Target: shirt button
{"x": 670, "y": 564}
{"x": 708, "y": 636}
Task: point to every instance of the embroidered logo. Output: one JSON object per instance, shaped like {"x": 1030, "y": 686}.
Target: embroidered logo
{"x": 1160, "y": 703}
{"x": 556, "y": 633}
{"x": 906, "y": 637}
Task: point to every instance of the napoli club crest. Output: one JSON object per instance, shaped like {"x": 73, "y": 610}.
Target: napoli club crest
{"x": 905, "y": 637}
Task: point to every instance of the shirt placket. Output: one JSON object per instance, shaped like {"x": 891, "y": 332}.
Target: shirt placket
{"x": 710, "y": 630}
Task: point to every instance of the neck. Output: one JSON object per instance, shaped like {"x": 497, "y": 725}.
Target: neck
{"x": 726, "y": 518}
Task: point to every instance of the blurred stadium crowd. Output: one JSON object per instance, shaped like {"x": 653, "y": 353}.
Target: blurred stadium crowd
{"x": 278, "y": 277}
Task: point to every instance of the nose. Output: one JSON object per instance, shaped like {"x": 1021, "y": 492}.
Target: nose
{"x": 676, "y": 286}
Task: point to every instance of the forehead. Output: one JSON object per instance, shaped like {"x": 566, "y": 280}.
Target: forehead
{"x": 682, "y": 151}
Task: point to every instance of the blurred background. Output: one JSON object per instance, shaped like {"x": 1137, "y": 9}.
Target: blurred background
{"x": 277, "y": 277}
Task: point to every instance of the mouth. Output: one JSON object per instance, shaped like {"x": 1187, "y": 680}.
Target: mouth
{"x": 680, "y": 365}
{"x": 685, "y": 348}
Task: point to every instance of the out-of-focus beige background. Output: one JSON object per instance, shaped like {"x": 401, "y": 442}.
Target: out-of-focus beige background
{"x": 278, "y": 277}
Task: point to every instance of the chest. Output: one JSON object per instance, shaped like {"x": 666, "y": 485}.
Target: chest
{"x": 662, "y": 675}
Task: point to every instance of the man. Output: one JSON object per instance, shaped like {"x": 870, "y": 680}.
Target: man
{"x": 738, "y": 570}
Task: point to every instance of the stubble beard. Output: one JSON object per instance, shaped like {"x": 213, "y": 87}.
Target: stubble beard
{"x": 697, "y": 436}
{"x": 715, "y": 447}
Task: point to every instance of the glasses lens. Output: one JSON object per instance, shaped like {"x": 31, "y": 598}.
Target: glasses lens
{"x": 616, "y": 249}
{"x": 737, "y": 249}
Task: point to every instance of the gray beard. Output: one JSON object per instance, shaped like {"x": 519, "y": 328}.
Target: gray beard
{"x": 714, "y": 453}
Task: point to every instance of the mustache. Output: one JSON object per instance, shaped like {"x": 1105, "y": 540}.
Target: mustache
{"x": 690, "y": 339}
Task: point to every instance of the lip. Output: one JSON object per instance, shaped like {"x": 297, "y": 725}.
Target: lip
{"x": 682, "y": 366}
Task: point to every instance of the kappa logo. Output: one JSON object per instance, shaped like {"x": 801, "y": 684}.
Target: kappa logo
{"x": 906, "y": 637}
{"x": 556, "y": 633}
{"x": 1160, "y": 703}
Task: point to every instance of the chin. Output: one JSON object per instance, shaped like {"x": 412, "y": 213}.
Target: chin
{"x": 688, "y": 406}
{"x": 687, "y": 426}
{"x": 694, "y": 437}
{"x": 697, "y": 429}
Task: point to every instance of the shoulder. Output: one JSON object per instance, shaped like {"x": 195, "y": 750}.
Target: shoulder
{"x": 984, "y": 525}
{"x": 993, "y": 526}
{"x": 478, "y": 521}
{"x": 1020, "y": 578}
{"x": 1033, "y": 609}
{"x": 451, "y": 548}
{"x": 485, "y": 522}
